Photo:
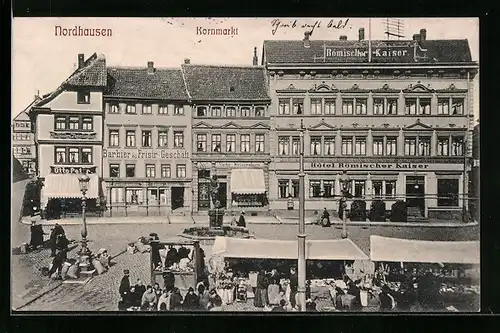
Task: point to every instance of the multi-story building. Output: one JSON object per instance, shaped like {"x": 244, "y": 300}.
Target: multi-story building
{"x": 68, "y": 138}
{"x": 147, "y": 142}
{"x": 474, "y": 175}
{"x": 393, "y": 114}
{"x": 230, "y": 133}
{"x": 23, "y": 140}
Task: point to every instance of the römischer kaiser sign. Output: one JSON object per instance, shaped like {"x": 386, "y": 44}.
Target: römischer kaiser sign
{"x": 379, "y": 166}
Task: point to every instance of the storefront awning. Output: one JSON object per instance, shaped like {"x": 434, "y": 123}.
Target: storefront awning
{"x": 342, "y": 249}
{"x": 68, "y": 186}
{"x": 248, "y": 181}
{"x": 406, "y": 250}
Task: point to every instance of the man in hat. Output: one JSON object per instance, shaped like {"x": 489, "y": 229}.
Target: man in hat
{"x": 36, "y": 235}
{"x": 125, "y": 286}
{"x": 241, "y": 221}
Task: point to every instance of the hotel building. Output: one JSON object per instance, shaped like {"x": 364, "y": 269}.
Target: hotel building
{"x": 23, "y": 140}
{"x": 395, "y": 115}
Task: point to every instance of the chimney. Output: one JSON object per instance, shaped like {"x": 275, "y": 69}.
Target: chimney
{"x": 187, "y": 61}
{"x": 361, "y": 33}
{"x": 151, "y": 67}
{"x": 307, "y": 34}
{"x": 255, "y": 59}
{"x": 343, "y": 37}
{"x": 423, "y": 34}
{"x": 81, "y": 60}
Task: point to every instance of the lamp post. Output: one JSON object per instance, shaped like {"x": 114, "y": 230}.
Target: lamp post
{"x": 301, "y": 288}
{"x": 344, "y": 180}
{"x": 84, "y": 251}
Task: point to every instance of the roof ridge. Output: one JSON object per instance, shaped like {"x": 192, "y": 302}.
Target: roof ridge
{"x": 143, "y": 68}
{"x": 224, "y": 66}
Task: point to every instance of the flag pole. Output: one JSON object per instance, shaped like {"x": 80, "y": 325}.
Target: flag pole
{"x": 369, "y": 40}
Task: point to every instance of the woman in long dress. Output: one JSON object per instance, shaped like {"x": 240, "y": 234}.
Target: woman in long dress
{"x": 273, "y": 291}
{"x": 260, "y": 299}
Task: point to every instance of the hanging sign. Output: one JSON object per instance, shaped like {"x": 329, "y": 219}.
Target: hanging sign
{"x": 75, "y": 170}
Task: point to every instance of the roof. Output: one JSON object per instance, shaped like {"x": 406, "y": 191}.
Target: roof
{"x": 339, "y": 249}
{"x": 206, "y": 82}
{"x": 405, "y": 250}
{"x": 24, "y": 115}
{"x": 430, "y": 51}
{"x": 136, "y": 82}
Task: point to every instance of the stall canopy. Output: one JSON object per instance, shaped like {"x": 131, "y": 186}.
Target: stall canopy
{"x": 68, "y": 186}
{"x": 406, "y": 250}
{"x": 341, "y": 249}
{"x": 247, "y": 181}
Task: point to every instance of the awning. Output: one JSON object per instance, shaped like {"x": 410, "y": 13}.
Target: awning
{"x": 248, "y": 181}
{"x": 341, "y": 249}
{"x": 68, "y": 186}
{"x": 406, "y": 250}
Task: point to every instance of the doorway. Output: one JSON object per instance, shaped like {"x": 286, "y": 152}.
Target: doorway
{"x": 177, "y": 197}
{"x": 415, "y": 192}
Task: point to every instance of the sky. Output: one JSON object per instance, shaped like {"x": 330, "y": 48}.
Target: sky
{"x": 41, "y": 61}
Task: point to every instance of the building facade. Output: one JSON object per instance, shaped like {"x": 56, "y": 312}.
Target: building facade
{"x": 397, "y": 121}
{"x": 230, "y": 135}
{"x": 23, "y": 140}
{"x": 68, "y": 139}
{"x": 147, "y": 142}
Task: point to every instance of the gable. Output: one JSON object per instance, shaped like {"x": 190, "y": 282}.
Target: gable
{"x": 260, "y": 125}
{"x": 418, "y": 126}
{"x": 202, "y": 124}
{"x": 322, "y": 126}
{"x": 231, "y": 125}
{"x": 418, "y": 88}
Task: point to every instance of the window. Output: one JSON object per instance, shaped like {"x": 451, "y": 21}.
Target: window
{"x": 360, "y": 146}
{"x": 361, "y": 106}
{"x": 424, "y": 146}
{"x": 130, "y": 109}
{"x": 216, "y": 143}
{"x": 447, "y": 192}
{"x": 178, "y": 110}
{"x": 377, "y": 187}
{"x": 315, "y": 106}
{"x": 329, "y": 142}
{"x": 74, "y": 123}
{"x": 162, "y": 109}
{"x": 315, "y": 188}
{"x": 245, "y": 112}
{"x": 73, "y": 155}
{"x": 150, "y": 171}
{"x": 392, "y": 106}
{"x": 378, "y": 146}
{"x": 295, "y": 145}
{"x": 230, "y": 111}
{"x": 87, "y": 155}
{"x": 114, "y": 170}
{"x": 424, "y": 106}
{"x": 162, "y": 138}
{"x": 443, "y": 146}
{"x": 391, "y": 146}
{"x": 181, "y": 171}
{"x": 130, "y": 138}
{"x": 201, "y": 142}
{"x": 329, "y": 106}
{"x": 347, "y": 146}
{"x": 390, "y": 188}
{"x": 295, "y": 188}
{"x": 444, "y": 106}
{"x": 410, "y": 146}
{"x": 147, "y": 109}
{"x": 61, "y": 155}
{"x": 457, "y": 146}
{"x": 230, "y": 143}
{"x": 378, "y": 106}
{"x": 283, "y": 145}
{"x": 216, "y": 111}
{"x": 457, "y": 106}
{"x": 359, "y": 188}
{"x": 283, "y": 189}
{"x": 259, "y": 143}
{"x": 83, "y": 97}
{"x": 315, "y": 145}
{"x": 130, "y": 170}
{"x": 61, "y": 123}
{"x": 284, "y": 107}
{"x": 411, "y": 106}
{"x": 245, "y": 143}
{"x": 347, "y": 106}
{"x": 114, "y": 108}
{"x": 298, "y": 106}
{"x": 259, "y": 111}
{"x": 329, "y": 188}
{"x": 146, "y": 138}
{"x": 178, "y": 139}
{"x": 87, "y": 123}
{"x": 165, "y": 171}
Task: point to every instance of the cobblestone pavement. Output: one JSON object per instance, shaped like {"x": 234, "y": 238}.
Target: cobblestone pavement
{"x": 101, "y": 293}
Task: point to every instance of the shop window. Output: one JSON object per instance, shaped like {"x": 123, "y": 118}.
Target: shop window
{"x": 130, "y": 170}
{"x": 391, "y": 146}
{"x": 87, "y": 123}
{"x": 130, "y": 109}
{"x": 410, "y": 146}
{"x": 133, "y": 196}
{"x": 216, "y": 111}
{"x": 392, "y": 106}
{"x": 329, "y": 188}
{"x": 130, "y": 138}
{"x": 377, "y": 188}
{"x": 74, "y": 123}
{"x": 201, "y": 142}
{"x": 378, "y": 146}
{"x": 114, "y": 170}
{"x": 230, "y": 143}
{"x": 146, "y": 138}
{"x": 60, "y": 155}
{"x": 114, "y": 108}
{"x": 259, "y": 143}
{"x": 359, "y": 188}
{"x": 378, "y": 106}
{"x": 165, "y": 171}
{"x": 329, "y": 142}
{"x": 411, "y": 106}
{"x": 447, "y": 192}
{"x": 298, "y": 106}
{"x": 295, "y": 188}
{"x": 178, "y": 139}
{"x": 347, "y": 106}
{"x": 443, "y": 146}
{"x": 245, "y": 112}
{"x": 424, "y": 106}
{"x": 444, "y": 106}
{"x": 162, "y": 138}
{"x": 216, "y": 143}
{"x": 284, "y": 107}
{"x": 73, "y": 155}
{"x": 315, "y": 106}
{"x": 424, "y": 146}
{"x": 347, "y": 146}
{"x": 162, "y": 109}
{"x": 295, "y": 145}
{"x": 245, "y": 143}
{"x": 390, "y": 188}
{"x": 260, "y": 111}
{"x": 181, "y": 171}
{"x": 83, "y": 97}
{"x": 150, "y": 171}
{"x": 361, "y": 106}
{"x": 360, "y": 146}
{"x": 457, "y": 146}
{"x": 329, "y": 106}
{"x": 147, "y": 109}
{"x": 283, "y": 145}
{"x": 457, "y": 106}
{"x": 178, "y": 110}
{"x": 315, "y": 145}
{"x": 283, "y": 189}
{"x": 87, "y": 155}
{"x": 314, "y": 188}
{"x": 230, "y": 111}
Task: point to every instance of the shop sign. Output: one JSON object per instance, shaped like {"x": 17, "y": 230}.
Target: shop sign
{"x": 209, "y": 165}
{"x": 73, "y": 135}
{"x": 146, "y": 153}
{"x": 75, "y": 170}
{"x": 385, "y": 53}
{"x": 369, "y": 166}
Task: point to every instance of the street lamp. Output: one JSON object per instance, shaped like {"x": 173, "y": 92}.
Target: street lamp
{"x": 344, "y": 180}
{"x": 301, "y": 288}
{"x": 84, "y": 251}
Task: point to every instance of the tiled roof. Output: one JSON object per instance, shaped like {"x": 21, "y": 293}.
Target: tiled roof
{"x": 92, "y": 74}
{"x": 431, "y": 51}
{"x": 206, "y": 82}
{"x": 136, "y": 82}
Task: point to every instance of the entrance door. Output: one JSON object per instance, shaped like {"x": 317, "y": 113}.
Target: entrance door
{"x": 177, "y": 197}
{"x": 223, "y": 195}
{"x": 415, "y": 190}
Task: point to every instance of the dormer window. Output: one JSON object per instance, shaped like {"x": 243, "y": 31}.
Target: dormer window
{"x": 216, "y": 111}
{"x": 147, "y": 109}
{"x": 230, "y": 111}
{"x": 131, "y": 108}
{"x": 114, "y": 108}
{"x": 259, "y": 111}
{"x": 245, "y": 111}
{"x": 83, "y": 97}
{"x": 201, "y": 111}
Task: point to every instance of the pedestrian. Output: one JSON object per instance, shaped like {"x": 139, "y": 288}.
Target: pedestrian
{"x": 203, "y": 296}
{"x": 191, "y": 301}
{"x": 104, "y": 258}
{"x": 387, "y": 302}
{"x": 176, "y": 300}
{"x": 148, "y": 298}
{"x": 57, "y": 230}
{"x": 171, "y": 256}
{"x": 325, "y": 218}
{"x": 155, "y": 250}
{"x": 260, "y": 299}
{"x": 294, "y": 283}
{"x": 124, "y": 289}
{"x": 241, "y": 221}
{"x": 234, "y": 221}
{"x": 280, "y": 307}
{"x": 168, "y": 280}
{"x": 164, "y": 301}
{"x": 36, "y": 235}
{"x": 57, "y": 263}
{"x": 216, "y": 304}
{"x": 273, "y": 290}
{"x": 215, "y": 300}
{"x": 157, "y": 290}
{"x": 311, "y": 306}
{"x": 139, "y": 290}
